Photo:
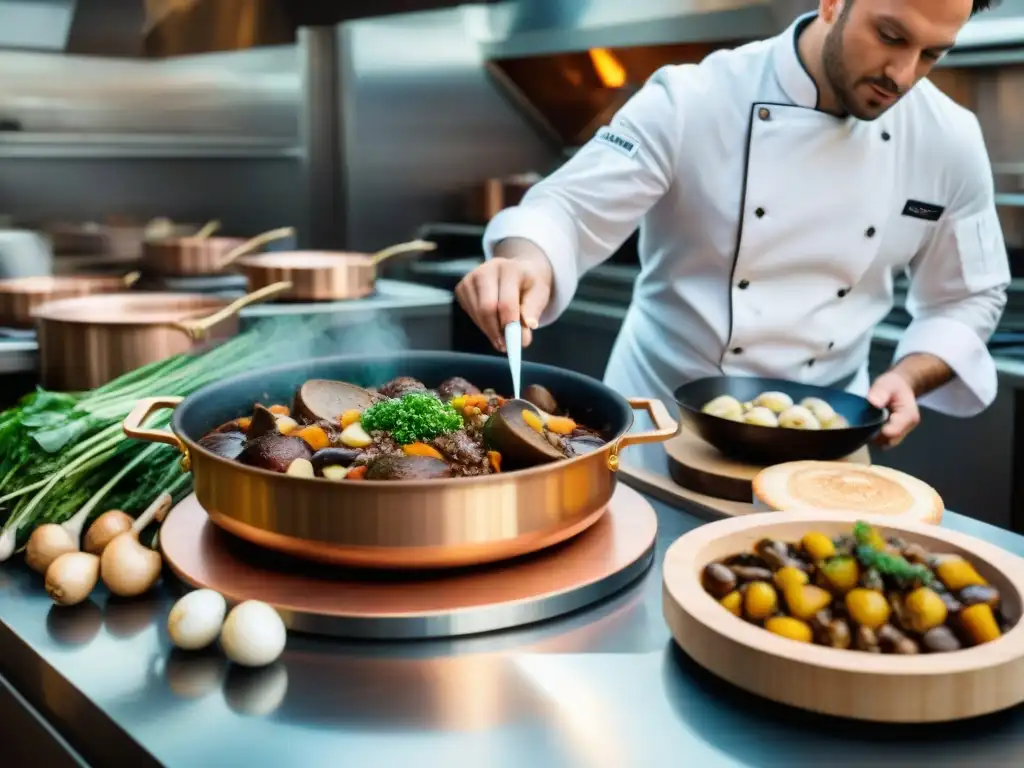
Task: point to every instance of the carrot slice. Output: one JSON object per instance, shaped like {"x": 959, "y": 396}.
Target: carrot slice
{"x": 350, "y": 417}
{"x": 480, "y": 401}
{"x": 561, "y": 425}
{"x": 356, "y": 473}
{"x": 244, "y": 422}
{"x": 280, "y": 410}
{"x": 533, "y": 420}
{"x": 315, "y": 436}
{"x": 494, "y": 458}
{"x": 422, "y": 449}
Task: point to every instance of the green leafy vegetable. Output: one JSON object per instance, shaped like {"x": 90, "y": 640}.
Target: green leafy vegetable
{"x": 886, "y": 563}
{"x": 65, "y": 451}
{"x": 416, "y": 417}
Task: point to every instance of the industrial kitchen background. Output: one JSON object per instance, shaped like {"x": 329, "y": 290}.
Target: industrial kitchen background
{"x": 369, "y": 123}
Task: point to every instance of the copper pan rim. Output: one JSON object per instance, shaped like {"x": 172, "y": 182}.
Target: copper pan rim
{"x": 43, "y": 285}
{"x": 74, "y": 310}
{"x": 665, "y": 427}
{"x": 306, "y": 261}
{"x": 374, "y": 486}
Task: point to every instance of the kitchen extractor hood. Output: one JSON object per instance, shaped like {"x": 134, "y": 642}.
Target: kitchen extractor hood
{"x": 576, "y": 63}
{"x": 520, "y": 28}
{"x": 159, "y": 28}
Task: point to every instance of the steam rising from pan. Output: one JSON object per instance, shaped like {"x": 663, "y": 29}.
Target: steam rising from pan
{"x": 307, "y": 337}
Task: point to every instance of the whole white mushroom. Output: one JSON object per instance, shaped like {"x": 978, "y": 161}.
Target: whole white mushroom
{"x": 253, "y": 634}
{"x": 196, "y": 619}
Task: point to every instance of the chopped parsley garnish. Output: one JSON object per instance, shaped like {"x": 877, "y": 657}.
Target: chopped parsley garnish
{"x": 887, "y": 563}
{"x": 415, "y": 417}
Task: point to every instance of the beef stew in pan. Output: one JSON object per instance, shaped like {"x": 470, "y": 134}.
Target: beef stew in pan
{"x": 403, "y": 430}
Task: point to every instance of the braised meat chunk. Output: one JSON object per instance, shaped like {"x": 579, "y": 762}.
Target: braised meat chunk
{"x": 403, "y": 385}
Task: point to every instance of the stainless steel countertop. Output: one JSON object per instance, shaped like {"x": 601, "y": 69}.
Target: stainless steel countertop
{"x": 603, "y": 687}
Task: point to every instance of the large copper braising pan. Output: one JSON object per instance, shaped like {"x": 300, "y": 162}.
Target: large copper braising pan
{"x": 403, "y": 524}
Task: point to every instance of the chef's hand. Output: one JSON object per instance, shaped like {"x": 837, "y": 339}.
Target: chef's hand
{"x": 891, "y": 390}
{"x": 514, "y": 285}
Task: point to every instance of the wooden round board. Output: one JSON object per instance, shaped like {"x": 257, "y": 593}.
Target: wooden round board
{"x": 846, "y": 683}
{"x": 817, "y": 486}
{"x": 699, "y": 466}
{"x": 322, "y": 599}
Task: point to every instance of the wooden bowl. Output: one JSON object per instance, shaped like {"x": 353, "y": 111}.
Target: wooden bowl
{"x": 845, "y": 683}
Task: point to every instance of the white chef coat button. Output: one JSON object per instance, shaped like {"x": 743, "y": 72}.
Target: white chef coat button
{"x": 764, "y": 113}
{"x": 842, "y": 292}
{"x": 885, "y": 136}
{"x": 759, "y": 213}
{"x": 871, "y": 232}
{"x": 743, "y": 285}
{"x": 737, "y": 350}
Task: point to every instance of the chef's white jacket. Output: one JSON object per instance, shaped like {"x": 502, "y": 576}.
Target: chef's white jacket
{"x": 770, "y": 232}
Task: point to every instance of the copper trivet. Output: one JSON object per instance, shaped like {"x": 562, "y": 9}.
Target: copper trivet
{"x": 334, "y": 601}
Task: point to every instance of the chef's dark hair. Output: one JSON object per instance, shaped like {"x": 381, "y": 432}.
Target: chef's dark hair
{"x": 977, "y": 7}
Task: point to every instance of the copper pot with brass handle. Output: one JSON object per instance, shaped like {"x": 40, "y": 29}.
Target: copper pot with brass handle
{"x": 202, "y": 254}
{"x": 19, "y": 296}
{"x": 323, "y": 275}
{"x": 88, "y": 341}
{"x": 393, "y": 524}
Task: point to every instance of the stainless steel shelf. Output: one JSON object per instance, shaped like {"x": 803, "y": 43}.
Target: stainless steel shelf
{"x": 134, "y": 145}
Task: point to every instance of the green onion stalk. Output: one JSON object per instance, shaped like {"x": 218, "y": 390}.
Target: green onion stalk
{"x": 66, "y": 458}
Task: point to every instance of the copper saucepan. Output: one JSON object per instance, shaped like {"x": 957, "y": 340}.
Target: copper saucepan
{"x": 120, "y": 238}
{"x": 21, "y": 295}
{"x": 322, "y": 275}
{"x": 403, "y": 523}
{"x": 202, "y": 254}
{"x": 87, "y": 341}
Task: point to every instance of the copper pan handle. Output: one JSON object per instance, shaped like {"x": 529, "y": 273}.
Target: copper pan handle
{"x": 197, "y": 329}
{"x": 131, "y": 279}
{"x": 132, "y": 424}
{"x": 208, "y": 229}
{"x": 394, "y": 250}
{"x": 665, "y": 427}
{"x": 252, "y": 244}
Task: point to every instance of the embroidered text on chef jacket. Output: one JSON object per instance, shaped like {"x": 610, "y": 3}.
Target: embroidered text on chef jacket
{"x": 770, "y": 232}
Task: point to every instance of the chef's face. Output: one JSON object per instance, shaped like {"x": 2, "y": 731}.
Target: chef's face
{"x": 876, "y": 50}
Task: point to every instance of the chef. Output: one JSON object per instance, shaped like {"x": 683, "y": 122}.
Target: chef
{"x": 779, "y": 188}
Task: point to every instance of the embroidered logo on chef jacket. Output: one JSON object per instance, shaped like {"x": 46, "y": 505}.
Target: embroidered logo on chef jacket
{"x": 620, "y": 142}
{"x": 915, "y": 209}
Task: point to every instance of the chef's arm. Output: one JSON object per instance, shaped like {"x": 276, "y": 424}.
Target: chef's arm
{"x": 924, "y": 372}
{"x": 579, "y": 215}
{"x": 957, "y": 296}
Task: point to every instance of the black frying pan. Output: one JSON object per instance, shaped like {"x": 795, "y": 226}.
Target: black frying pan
{"x": 776, "y": 445}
